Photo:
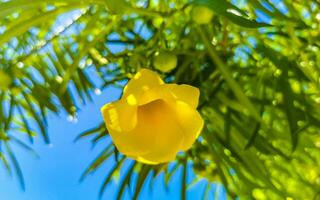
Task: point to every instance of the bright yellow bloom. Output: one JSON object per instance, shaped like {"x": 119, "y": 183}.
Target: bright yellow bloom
{"x": 153, "y": 121}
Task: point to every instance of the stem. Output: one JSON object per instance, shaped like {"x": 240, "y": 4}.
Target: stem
{"x": 184, "y": 180}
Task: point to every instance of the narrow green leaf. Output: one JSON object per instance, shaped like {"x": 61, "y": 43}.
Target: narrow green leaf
{"x": 206, "y": 191}
{"x": 98, "y": 161}
{"x": 9, "y": 7}
{"x": 33, "y": 21}
{"x": 110, "y": 175}
{"x": 5, "y": 162}
{"x": 184, "y": 180}
{"x": 219, "y": 6}
{"x": 257, "y": 126}
{"x": 24, "y": 146}
{"x": 25, "y": 124}
{"x": 125, "y": 181}
{"x": 90, "y": 132}
{"x": 143, "y": 174}
{"x": 170, "y": 174}
{"x": 35, "y": 116}
{"x": 231, "y": 12}
{"x": 247, "y": 23}
{"x": 227, "y": 76}
{"x": 16, "y": 166}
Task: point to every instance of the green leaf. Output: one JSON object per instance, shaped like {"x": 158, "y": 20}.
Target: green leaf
{"x": 218, "y": 6}
{"x": 26, "y": 124}
{"x": 35, "y": 116}
{"x": 24, "y": 146}
{"x": 111, "y": 173}
{"x": 91, "y": 132}
{"x": 142, "y": 175}
{"x": 9, "y": 7}
{"x": 98, "y": 161}
{"x": 244, "y": 22}
{"x": 16, "y": 166}
{"x": 5, "y": 161}
{"x": 228, "y": 77}
{"x": 33, "y": 21}
{"x": 184, "y": 180}
{"x": 292, "y": 113}
{"x": 231, "y": 12}
{"x": 125, "y": 180}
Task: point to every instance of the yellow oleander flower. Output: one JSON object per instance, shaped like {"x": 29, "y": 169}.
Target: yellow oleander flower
{"x": 153, "y": 121}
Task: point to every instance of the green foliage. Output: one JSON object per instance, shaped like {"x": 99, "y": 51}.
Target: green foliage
{"x": 259, "y": 84}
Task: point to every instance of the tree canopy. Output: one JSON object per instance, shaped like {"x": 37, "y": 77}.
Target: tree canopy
{"x": 256, "y": 64}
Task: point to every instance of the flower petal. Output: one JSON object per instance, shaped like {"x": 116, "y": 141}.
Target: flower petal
{"x": 120, "y": 116}
{"x": 185, "y": 93}
{"x": 153, "y": 121}
{"x": 190, "y": 121}
{"x": 143, "y": 160}
{"x": 142, "y": 81}
{"x": 121, "y": 119}
{"x": 159, "y": 120}
{"x": 156, "y": 137}
{"x": 157, "y": 93}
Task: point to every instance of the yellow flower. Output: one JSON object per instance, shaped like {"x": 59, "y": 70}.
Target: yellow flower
{"x": 153, "y": 121}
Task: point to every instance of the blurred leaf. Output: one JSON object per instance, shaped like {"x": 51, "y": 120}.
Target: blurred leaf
{"x": 143, "y": 173}
{"x": 33, "y": 21}
{"x": 104, "y": 155}
{"x": 91, "y": 131}
{"x": 110, "y": 176}
{"x": 231, "y": 12}
{"x": 16, "y": 166}
{"x": 184, "y": 181}
{"x": 125, "y": 181}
